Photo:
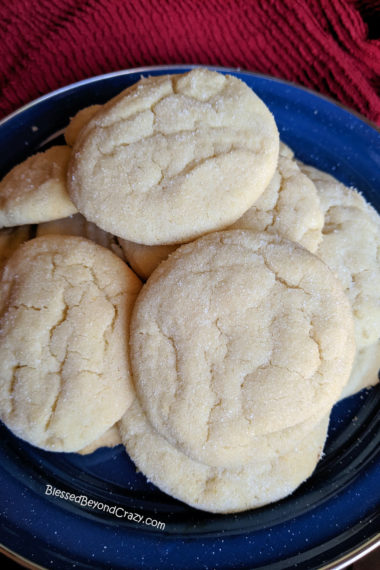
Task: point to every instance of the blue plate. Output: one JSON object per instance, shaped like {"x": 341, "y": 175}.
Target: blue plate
{"x": 46, "y": 514}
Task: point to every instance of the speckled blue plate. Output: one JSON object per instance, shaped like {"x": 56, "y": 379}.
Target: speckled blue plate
{"x": 333, "y": 516}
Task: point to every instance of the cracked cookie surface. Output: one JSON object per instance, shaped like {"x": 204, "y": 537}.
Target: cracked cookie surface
{"x": 289, "y": 206}
{"x": 174, "y": 157}
{"x": 235, "y": 336}
{"x": 77, "y": 225}
{"x": 65, "y": 307}
{"x": 213, "y": 489}
{"x": 35, "y": 190}
{"x": 351, "y": 248}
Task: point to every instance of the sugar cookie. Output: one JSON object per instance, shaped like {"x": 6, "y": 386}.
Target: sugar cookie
{"x": 238, "y": 335}
{"x": 77, "y": 225}
{"x": 79, "y": 121}
{"x": 35, "y": 190}
{"x": 212, "y": 489}
{"x": 351, "y": 248}
{"x": 174, "y": 157}
{"x": 65, "y": 376}
{"x": 289, "y": 206}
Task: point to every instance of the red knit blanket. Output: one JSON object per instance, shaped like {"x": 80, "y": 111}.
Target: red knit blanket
{"x": 327, "y": 45}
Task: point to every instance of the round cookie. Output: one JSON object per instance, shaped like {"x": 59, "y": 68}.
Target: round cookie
{"x": 235, "y": 336}
{"x": 212, "y": 489}
{"x": 77, "y": 225}
{"x": 78, "y": 122}
{"x": 174, "y": 157}
{"x": 65, "y": 375}
{"x": 35, "y": 190}
{"x": 351, "y": 248}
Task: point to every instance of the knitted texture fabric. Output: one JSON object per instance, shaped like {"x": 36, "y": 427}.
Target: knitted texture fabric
{"x": 330, "y": 46}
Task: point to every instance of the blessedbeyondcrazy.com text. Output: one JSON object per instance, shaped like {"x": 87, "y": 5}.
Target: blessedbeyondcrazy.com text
{"x": 115, "y": 510}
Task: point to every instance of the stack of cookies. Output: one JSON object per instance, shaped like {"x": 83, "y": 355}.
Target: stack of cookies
{"x": 220, "y": 372}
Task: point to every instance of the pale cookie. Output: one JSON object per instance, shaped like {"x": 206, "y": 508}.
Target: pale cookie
{"x": 271, "y": 445}
{"x": 365, "y": 371}
{"x": 65, "y": 376}
{"x": 289, "y": 206}
{"x": 35, "y": 190}
{"x": 174, "y": 157}
{"x": 351, "y": 248}
{"x": 10, "y": 239}
{"x": 77, "y": 225}
{"x": 144, "y": 258}
{"x": 110, "y": 438}
{"x": 78, "y": 122}
{"x": 238, "y": 335}
{"x": 212, "y": 489}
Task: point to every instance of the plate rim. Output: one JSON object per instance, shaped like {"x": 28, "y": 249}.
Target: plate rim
{"x": 356, "y": 554}
{"x": 178, "y": 66}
